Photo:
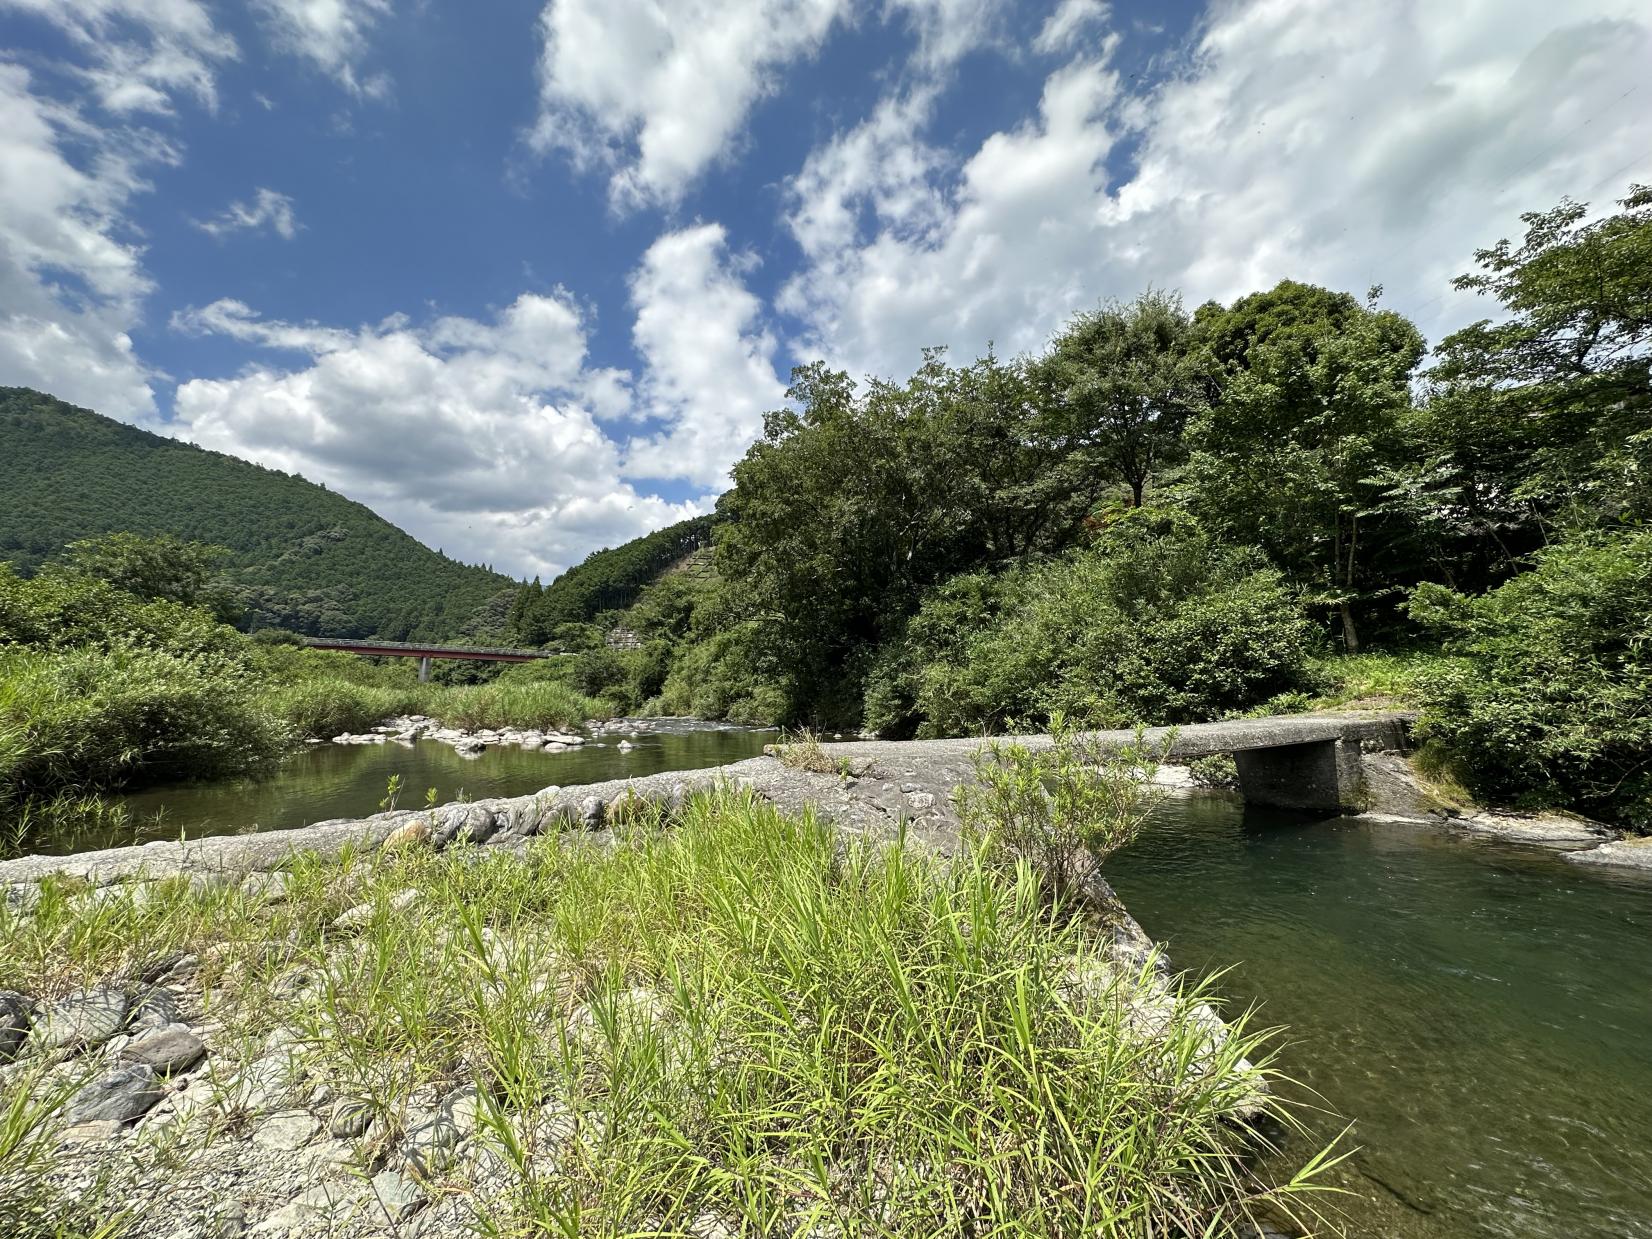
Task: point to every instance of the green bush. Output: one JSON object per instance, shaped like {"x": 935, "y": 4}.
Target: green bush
{"x": 727, "y": 675}
{"x": 91, "y": 717}
{"x": 1546, "y": 703}
{"x": 1154, "y": 626}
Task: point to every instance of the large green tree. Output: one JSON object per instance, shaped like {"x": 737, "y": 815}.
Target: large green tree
{"x": 1126, "y": 379}
{"x": 1310, "y": 391}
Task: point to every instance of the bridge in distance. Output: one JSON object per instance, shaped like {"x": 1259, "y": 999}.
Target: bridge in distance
{"x": 425, "y": 652}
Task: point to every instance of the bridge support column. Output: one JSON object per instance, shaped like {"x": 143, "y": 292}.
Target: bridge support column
{"x": 1324, "y": 776}
{"x": 424, "y": 669}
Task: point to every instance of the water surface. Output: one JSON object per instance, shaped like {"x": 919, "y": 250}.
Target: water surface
{"x": 342, "y": 781}
{"x": 1481, "y": 1012}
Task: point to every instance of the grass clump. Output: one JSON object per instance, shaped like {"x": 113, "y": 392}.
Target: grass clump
{"x": 744, "y": 1018}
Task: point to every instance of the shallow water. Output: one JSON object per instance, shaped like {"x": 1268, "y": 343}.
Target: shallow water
{"x": 336, "y": 780}
{"x": 1481, "y": 1012}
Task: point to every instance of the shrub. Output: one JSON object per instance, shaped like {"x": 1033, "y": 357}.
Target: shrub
{"x": 1063, "y": 809}
{"x": 727, "y": 675}
{"x": 95, "y": 717}
{"x": 1163, "y": 628}
{"x": 1546, "y": 701}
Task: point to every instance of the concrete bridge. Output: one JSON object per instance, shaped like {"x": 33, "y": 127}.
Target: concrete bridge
{"x": 424, "y": 653}
{"x": 1311, "y": 762}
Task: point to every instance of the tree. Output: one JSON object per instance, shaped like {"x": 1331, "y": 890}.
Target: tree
{"x": 1310, "y": 391}
{"x": 1127, "y": 379}
{"x": 1548, "y": 412}
{"x": 155, "y": 567}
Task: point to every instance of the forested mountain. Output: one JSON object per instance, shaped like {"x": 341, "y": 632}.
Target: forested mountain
{"x": 606, "y": 580}
{"x": 300, "y": 556}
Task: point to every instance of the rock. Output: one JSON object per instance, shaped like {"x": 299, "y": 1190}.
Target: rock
{"x": 322, "y": 1204}
{"x": 431, "y": 1147}
{"x": 118, "y": 1096}
{"x": 362, "y": 913}
{"x": 98, "y": 1131}
{"x": 155, "y": 1008}
{"x": 590, "y": 813}
{"x": 461, "y": 823}
{"x": 167, "y": 1050}
{"x": 397, "y": 1196}
{"x": 349, "y": 1118}
{"x": 265, "y": 889}
{"x": 19, "y": 898}
{"x": 16, "y": 1014}
{"x": 463, "y": 1109}
{"x": 412, "y": 834}
{"x": 287, "y": 1131}
{"x": 1623, "y": 853}
{"x": 84, "y": 1020}
{"x": 625, "y": 746}
{"x": 1557, "y": 829}
{"x": 921, "y": 802}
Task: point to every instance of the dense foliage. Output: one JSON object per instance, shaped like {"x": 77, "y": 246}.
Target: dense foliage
{"x": 606, "y": 580}
{"x": 1171, "y": 517}
{"x": 296, "y": 556}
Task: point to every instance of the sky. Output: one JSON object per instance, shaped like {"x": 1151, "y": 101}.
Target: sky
{"x": 524, "y": 275}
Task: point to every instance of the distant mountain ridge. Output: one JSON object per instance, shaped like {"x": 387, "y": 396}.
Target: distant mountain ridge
{"x": 304, "y": 557}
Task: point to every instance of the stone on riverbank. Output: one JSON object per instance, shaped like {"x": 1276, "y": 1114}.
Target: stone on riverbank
{"x": 119, "y": 1096}
{"x": 1623, "y": 853}
{"x": 82, "y": 1021}
{"x": 167, "y": 1050}
{"x": 16, "y": 1015}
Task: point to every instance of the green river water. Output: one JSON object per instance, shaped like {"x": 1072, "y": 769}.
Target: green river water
{"x": 1481, "y": 1013}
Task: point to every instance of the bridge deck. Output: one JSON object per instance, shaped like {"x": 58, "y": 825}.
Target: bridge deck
{"x": 405, "y": 649}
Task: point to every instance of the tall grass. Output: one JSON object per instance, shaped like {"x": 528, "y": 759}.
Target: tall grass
{"x": 325, "y": 707}
{"x": 743, "y": 1017}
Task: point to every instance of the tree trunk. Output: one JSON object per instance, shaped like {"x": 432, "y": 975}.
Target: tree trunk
{"x": 1136, "y": 486}
{"x": 1350, "y": 637}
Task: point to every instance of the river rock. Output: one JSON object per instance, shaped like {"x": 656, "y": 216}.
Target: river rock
{"x": 397, "y": 1195}
{"x": 118, "y": 1096}
{"x": 590, "y": 813}
{"x": 410, "y": 835}
{"x": 167, "y": 1050}
{"x": 84, "y": 1020}
{"x": 1550, "y": 829}
{"x": 155, "y": 1007}
{"x": 1623, "y": 853}
{"x": 362, "y": 913}
{"x": 431, "y": 1147}
{"x": 287, "y": 1131}
{"x": 349, "y": 1118}
{"x": 16, "y": 1014}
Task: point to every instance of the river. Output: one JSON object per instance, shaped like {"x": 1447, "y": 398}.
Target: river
{"x": 1481, "y": 1013}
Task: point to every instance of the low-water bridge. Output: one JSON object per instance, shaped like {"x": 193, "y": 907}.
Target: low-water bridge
{"x": 424, "y": 653}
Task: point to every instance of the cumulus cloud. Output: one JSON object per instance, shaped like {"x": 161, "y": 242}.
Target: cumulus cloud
{"x": 140, "y": 53}
{"x": 333, "y": 35}
{"x": 656, "y": 94}
{"x": 475, "y": 435}
{"x": 71, "y": 280}
{"x": 710, "y": 372}
{"x": 268, "y": 209}
{"x": 1343, "y": 143}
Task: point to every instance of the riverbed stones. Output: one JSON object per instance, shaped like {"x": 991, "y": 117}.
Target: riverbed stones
{"x": 117, "y": 1096}
{"x": 154, "y": 1007}
{"x": 413, "y": 834}
{"x": 167, "y": 1050}
{"x": 286, "y": 1131}
{"x": 362, "y": 914}
{"x": 590, "y": 813}
{"x": 431, "y": 1147}
{"x": 16, "y": 1014}
{"x": 397, "y": 1196}
{"x": 1623, "y": 853}
{"x": 83, "y": 1020}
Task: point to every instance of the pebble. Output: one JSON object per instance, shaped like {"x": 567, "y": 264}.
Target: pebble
{"x": 430, "y": 1148}
{"x": 349, "y": 1118}
{"x": 155, "y": 1008}
{"x": 398, "y": 1196}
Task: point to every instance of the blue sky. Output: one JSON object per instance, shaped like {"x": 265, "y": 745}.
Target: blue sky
{"x": 523, "y": 275}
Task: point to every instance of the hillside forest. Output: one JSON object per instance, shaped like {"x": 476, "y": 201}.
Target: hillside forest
{"x": 1172, "y": 516}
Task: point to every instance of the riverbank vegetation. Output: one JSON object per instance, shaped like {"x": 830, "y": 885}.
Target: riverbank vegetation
{"x": 107, "y": 683}
{"x": 742, "y": 1024}
{"x": 1283, "y": 502}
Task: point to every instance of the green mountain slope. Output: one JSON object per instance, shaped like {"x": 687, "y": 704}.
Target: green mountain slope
{"x": 304, "y": 557}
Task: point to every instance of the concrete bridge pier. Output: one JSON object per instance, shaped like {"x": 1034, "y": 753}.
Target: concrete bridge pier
{"x": 424, "y": 669}
{"x": 1322, "y": 775}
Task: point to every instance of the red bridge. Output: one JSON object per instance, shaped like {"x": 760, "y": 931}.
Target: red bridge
{"x": 424, "y": 653}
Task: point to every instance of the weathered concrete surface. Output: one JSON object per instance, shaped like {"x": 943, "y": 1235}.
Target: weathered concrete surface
{"x": 891, "y": 785}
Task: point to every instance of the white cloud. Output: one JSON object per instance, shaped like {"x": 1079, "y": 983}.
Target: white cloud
{"x": 657, "y": 93}
{"x": 268, "y": 209}
{"x": 1069, "y": 23}
{"x": 1342, "y": 143}
{"x": 332, "y": 35}
{"x": 141, "y": 52}
{"x": 710, "y": 372}
{"x": 476, "y": 436}
{"x": 70, "y": 282}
